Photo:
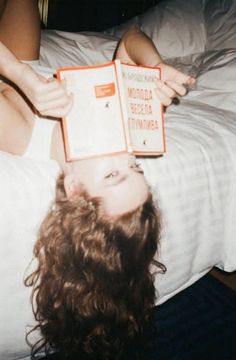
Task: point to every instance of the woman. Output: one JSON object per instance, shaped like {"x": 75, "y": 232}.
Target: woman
{"x": 49, "y": 98}
{"x": 93, "y": 286}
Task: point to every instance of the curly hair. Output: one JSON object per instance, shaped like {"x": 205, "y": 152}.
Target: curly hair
{"x": 93, "y": 289}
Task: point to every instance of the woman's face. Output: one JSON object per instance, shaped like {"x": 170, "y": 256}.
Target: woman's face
{"x": 118, "y": 180}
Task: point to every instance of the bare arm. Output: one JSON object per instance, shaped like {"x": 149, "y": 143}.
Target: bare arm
{"x": 20, "y": 27}
{"x": 48, "y": 96}
{"x": 19, "y": 39}
{"x": 2, "y": 7}
{"x": 135, "y": 47}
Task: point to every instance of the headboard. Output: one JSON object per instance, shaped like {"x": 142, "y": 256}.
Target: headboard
{"x": 43, "y": 10}
{"x": 89, "y": 15}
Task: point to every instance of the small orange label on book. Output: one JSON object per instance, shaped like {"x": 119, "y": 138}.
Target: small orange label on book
{"x": 105, "y": 90}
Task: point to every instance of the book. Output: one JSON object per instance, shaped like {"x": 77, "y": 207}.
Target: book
{"x": 115, "y": 110}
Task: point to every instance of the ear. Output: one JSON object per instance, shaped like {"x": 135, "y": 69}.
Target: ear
{"x": 70, "y": 185}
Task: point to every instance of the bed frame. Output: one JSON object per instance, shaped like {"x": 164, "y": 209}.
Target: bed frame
{"x": 43, "y": 10}
{"x": 89, "y": 15}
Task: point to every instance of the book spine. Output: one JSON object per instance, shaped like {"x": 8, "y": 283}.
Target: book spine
{"x": 120, "y": 81}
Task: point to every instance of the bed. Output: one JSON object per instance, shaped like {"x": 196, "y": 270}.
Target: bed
{"x": 193, "y": 183}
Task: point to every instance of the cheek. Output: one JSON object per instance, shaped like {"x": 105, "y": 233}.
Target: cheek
{"x": 127, "y": 197}
{"x": 141, "y": 190}
{"x": 87, "y": 178}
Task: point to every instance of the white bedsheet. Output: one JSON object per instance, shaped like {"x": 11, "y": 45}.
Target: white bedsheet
{"x": 196, "y": 191}
{"x": 193, "y": 183}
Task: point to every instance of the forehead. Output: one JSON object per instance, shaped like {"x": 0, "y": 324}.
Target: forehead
{"x": 103, "y": 161}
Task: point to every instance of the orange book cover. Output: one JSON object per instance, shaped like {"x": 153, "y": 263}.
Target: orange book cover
{"x": 114, "y": 110}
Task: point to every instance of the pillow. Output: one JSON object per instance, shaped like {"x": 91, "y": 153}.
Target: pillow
{"x": 61, "y": 48}
{"x": 220, "y": 17}
{"x": 176, "y": 26}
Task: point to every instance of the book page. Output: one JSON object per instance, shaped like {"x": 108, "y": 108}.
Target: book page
{"x": 145, "y": 115}
{"x": 95, "y": 125}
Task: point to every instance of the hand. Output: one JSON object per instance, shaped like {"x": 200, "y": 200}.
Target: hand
{"x": 48, "y": 96}
{"x": 172, "y": 84}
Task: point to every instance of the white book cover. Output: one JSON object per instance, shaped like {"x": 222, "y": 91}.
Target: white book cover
{"x": 114, "y": 110}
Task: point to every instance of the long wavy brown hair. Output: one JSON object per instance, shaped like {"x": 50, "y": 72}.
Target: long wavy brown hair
{"x": 93, "y": 288}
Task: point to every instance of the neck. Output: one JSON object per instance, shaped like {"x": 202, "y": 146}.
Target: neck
{"x": 58, "y": 149}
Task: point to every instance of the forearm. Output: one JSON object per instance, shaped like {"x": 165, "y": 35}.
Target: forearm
{"x": 20, "y": 28}
{"x": 10, "y": 66}
{"x": 135, "y": 47}
{"x": 2, "y": 7}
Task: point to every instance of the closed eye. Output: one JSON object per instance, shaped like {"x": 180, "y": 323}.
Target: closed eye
{"x": 112, "y": 175}
{"x": 115, "y": 177}
{"x": 137, "y": 167}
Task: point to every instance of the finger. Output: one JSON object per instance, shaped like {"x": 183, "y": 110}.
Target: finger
{"x": 179, "y": 89}
{"x": 58, "y": 112}
{"x": 51, "y": 85}
{"x": 164, "y": 99}
{"x": 191, "y": 81}
{"x": 165, "y": 89}
{"x": 52, "y": 104}
{"x": 59, "y": 106}
{"x": 46, "y": 95}
{"x": 182, "y": 78}
{"x": 51, "y": 90}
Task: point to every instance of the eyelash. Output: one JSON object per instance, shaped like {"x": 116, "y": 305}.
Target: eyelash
{"x": 136, "y": 166}
{"x": 111, "y": 175}
{"x": 115, "y": 173}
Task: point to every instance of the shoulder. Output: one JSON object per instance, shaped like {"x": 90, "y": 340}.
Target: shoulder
{"x": 16, "y": 121}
